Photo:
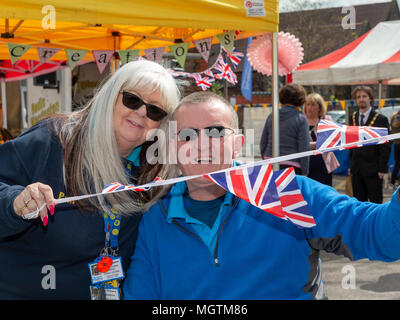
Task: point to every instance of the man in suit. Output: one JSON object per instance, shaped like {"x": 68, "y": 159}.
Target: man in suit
{"x": 368, "y": 164}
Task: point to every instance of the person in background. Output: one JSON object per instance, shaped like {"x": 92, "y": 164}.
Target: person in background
{"x": 293, "y": 129}
{"x": 395, "y": 128}
{"x": 201, "y": 242}
{"x": 321, "y": 166}
{"x": 78, "y": 154}
{"x": 369, "y": 164}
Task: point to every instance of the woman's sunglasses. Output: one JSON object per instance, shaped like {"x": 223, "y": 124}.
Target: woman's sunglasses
{"x": 190, "y": 134}
{"x": 132, "y": 101}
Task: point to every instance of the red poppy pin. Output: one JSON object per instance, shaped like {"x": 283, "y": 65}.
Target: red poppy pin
{"x": 104, "y": 264}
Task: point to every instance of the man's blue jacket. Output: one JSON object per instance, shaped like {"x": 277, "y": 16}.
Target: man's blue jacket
{"x": 257, "y": 255}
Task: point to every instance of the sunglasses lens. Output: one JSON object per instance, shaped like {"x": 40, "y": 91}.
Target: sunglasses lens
{"x": 215, "y": 132}
{"x": 187, "y": 134}
{"x": 133, "y": 102}
{"x": 155, "y": 113}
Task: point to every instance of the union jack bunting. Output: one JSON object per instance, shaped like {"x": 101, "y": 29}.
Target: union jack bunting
{"x": 331, "y": 134}
{"x": 203, "y": 82}
{"x": 179, "y": 73}
{"x": 274, "y": 192}
{"x": 224, "y": 71}
{"x": 235, "y": 57}
{"x": 209, "y": 73}
{"x": 116, "y": 186}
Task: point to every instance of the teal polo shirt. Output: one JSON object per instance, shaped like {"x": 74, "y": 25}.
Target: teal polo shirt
{"x": 177, "y": 210}
{"x": 134, "y": 156}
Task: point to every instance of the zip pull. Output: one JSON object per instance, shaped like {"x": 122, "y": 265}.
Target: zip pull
{"x": 216, "y": 262}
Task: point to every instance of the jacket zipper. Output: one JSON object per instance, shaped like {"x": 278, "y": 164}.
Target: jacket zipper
{"x": 216, "y": 261}
{"x": 220, "y": 231}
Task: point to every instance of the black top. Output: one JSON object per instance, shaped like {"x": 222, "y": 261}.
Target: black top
{"x": 369, "y": 160}
{"x": 317, "y": 170}
{"x": 30, "y": 254}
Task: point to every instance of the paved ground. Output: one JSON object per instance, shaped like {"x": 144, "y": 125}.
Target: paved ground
{"x": 371, "y": 281}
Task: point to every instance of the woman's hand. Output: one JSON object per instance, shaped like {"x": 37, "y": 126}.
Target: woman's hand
{"x": 32, "y": 198}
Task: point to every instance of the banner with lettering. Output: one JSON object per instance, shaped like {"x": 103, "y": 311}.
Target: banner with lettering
{"x": 17, "y": 50}
{"x": 203, "y": 46}
{"x": 227, "y": 40}
{"x": 46, "y": 53}
{"x": 180, "y": 52}
{"x": 154, "y": 54}
{"x": 126, "y": 56}
{"x": 74, "y": 56}
{"x": 102, "y": 58}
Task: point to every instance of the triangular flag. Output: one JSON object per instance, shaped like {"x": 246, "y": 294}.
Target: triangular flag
{"x": 204, "y": 47}
{"x": 74, "y": 56}
{"x": 154, "y": 54}
{"x": 180, "y": 52}
{"x": 227, "y": 40}
{"x": 209, "y": 73}
{"x": 128, "y": 55}
{"x": 46, "y": 53}
{"x": 17, "y": 50}
{"x": 102, "y": 58}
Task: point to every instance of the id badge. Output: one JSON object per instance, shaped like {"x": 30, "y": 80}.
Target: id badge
{"x": 114, "y": 272}
{"x": 106, "y": 292}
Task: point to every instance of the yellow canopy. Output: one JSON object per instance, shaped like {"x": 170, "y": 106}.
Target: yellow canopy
{"x": 134, "y": 24}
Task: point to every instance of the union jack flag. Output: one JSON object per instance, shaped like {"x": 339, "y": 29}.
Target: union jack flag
{"x": 274, "y": 192}
{"x": 331, "y": 134}
{"x": 224, "y": 71}
{"x": 235, "y": 57}
{"x": 203, "y": 82}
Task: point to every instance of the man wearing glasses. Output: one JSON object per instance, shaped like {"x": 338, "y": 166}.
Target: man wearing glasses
{"x": 203, "y": 243}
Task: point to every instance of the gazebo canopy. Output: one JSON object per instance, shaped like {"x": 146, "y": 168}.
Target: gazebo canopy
{"x": 373, "y": 57}
{"x": 128, "y": 24}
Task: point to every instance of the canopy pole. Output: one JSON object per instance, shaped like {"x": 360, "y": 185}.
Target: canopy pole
{"x": 379, "y": 93}
{"x": 117, "y": 46}
{"x": 275, "y": 100}
{"x": 4, "y": 101}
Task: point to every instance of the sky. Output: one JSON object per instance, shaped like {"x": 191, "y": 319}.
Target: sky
{"x": 288, "y": 5}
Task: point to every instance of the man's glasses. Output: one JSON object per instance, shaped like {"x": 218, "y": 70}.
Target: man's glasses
{"x": 190, "y": 134}
{"x": 132, "y": 101}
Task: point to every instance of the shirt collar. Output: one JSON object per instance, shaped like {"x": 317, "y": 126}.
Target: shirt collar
{"x": 134, "y": 156}
{"x": 366, "y": 114}
{"x": 176, "y": 207}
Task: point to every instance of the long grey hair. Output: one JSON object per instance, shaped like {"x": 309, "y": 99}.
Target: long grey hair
{"x": 91, "y": 156}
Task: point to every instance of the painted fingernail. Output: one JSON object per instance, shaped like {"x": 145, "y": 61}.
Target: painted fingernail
{"x": 45, "y": 220}
{"x": 51, "y": 208}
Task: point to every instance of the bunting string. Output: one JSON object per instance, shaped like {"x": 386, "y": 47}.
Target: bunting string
{"x": 158, "y": 182}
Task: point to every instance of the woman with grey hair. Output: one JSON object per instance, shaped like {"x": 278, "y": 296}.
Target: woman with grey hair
{"x": 75, "y": 154}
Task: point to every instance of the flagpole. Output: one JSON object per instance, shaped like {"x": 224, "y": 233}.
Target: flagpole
{"x": 275, "y": 100}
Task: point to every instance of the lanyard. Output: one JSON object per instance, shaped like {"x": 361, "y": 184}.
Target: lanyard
{"x": 112, "y": 221}
{"x": 106, "y": 271}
